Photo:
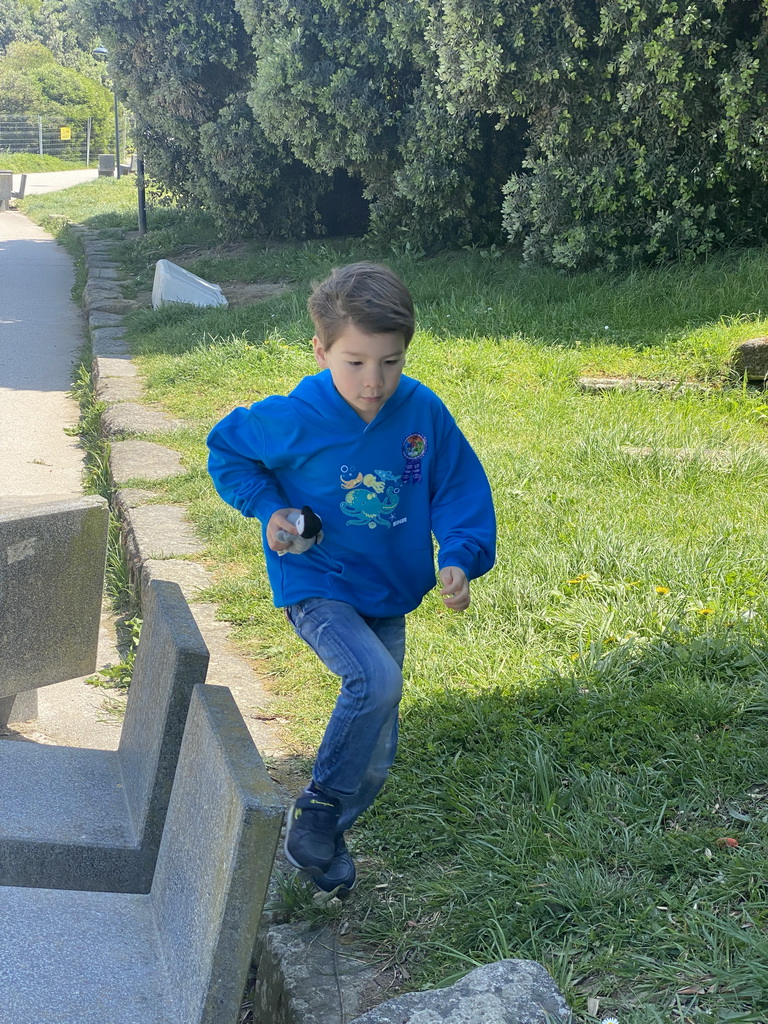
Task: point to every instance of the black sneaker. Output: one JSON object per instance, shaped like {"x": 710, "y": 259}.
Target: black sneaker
{"x": 341, "y": 873}
{"x": 310, "y": 835}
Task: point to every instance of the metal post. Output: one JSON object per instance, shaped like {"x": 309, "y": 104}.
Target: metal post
{"x": 140, "y": 187}
{"x": 117, "y": 136}
{"x": 40, "y": 133}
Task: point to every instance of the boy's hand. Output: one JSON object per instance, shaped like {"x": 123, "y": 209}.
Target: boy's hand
{"x": 279, "y": 521}
{"x": 455, "y": 592}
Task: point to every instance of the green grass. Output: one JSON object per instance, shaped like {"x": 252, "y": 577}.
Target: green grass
{"x": 30, "y": 163}
{"x": 578, "y": 744}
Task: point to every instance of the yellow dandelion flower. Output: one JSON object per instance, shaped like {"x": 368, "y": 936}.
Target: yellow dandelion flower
{"x": 580, "y": 578}
{"x": 574, "y": 657}
{"x": 662, "y": 590}
{"x": 705, "y": 611}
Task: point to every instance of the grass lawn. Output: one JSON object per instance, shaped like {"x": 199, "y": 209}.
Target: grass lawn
{"x": 583, "y": 772}
{"x": 30, "y": 163}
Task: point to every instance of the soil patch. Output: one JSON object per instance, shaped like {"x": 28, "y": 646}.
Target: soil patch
{"x": 243, "y": 293}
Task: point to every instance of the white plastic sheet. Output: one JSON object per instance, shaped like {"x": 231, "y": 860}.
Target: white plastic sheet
{"x": 174, "y": 284}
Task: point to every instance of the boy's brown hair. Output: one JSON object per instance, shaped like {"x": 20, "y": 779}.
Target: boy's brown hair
{"x": 368, "y": 295}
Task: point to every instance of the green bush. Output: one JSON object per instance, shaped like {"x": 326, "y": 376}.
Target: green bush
{"x": 589, "y": 131}
{"x": 647, "y": 121}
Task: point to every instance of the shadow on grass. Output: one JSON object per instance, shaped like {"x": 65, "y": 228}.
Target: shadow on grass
{"x": 610, "y": 822}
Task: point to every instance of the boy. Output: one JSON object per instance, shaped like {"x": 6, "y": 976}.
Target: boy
{"x": 378, "y": 457}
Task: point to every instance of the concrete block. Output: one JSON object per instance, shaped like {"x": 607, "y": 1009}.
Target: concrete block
{"x": 132, "y": 418}
{"x": 52, "y": 558}
{"x": 302, "y": 978}
{"x": 223, "y": 800}
{"x": 119, "y": 389}
{"x": 97, "y": 320}
{"x": 143, "y": 460}
{"x": 75, "y": 818}
{"x": 106, "y": 165}
{"x": 179, "y": 954}
{"x": 159, "y": 531}
{"x": 6, "y": 189}
{"x": 506, "y": 992}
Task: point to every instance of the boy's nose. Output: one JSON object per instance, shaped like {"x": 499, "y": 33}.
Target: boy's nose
{"x": 374, "y": 378}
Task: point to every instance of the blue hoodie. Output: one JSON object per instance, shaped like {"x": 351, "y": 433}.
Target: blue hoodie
{"x": 381, "y": 489}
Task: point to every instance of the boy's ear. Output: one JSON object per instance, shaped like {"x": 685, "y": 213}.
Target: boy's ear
{"x": 317, "y": 345}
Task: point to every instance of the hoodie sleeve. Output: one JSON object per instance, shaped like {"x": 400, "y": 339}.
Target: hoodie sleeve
{"x": 237, "y": 463}
{"x": 463, "y": 518}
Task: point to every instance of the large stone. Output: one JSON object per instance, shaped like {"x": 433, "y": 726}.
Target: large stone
{"x": 133, "y": 418}
{"x": 113, "y": 366}
{"x": 180, "y": 954}
{"x": 302, "y": 979}
{"x": 52, "y": 559}
{"x": 109, "y": 341}
{"x": 158, "y": 531}
{"x": 97, "y": 320}
{"x": 118, "y": 389}
{"x": 74, "y": 818}
{"x": 506, "y": 992}
{"x": 751, "y": 359}
{"x": 143, "y": 460}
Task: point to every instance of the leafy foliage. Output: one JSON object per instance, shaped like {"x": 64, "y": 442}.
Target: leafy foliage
{"x": 33, "y": 81}
{"x": 646, "y": 120}
{"x": 590, "y": 131}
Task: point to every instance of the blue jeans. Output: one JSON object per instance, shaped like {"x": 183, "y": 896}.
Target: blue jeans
{"x": 360, "y": 740}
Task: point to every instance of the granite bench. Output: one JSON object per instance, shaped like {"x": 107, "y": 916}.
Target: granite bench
{"x": 52, "y": 557}
{"x": 75, "y": 818}
{"x": 179, "y": 954}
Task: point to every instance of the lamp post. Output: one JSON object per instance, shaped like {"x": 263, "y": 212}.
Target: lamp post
{"x": 101, "y": 53}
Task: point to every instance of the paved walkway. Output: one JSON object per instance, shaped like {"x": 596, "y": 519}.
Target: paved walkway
{"x": 41, "y": 335}
{"x": 53, "y": 181}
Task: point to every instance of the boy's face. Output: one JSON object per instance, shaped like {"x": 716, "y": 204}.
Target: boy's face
{"x": 365, "y": 368}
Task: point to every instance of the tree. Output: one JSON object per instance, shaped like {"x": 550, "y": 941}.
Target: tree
{"x": 647, "y": 120}
{"x": 32, "y": 82}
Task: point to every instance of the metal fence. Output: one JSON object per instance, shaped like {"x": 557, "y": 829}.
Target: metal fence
{"x": 69, "y": 140}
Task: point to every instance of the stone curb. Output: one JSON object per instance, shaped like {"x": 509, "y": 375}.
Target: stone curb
{"x": 303, "y": 977}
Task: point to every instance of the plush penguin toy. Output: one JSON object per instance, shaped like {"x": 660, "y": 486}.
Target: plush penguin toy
{"x": 310, "y": 527}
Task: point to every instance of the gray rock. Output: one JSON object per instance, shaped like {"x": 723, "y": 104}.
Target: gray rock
{"x": 100, "y": 291}
{"x": 751, "y": 359}
{"x": 132, "y": 418}
{"x": 116, "y": 306}
{"x": 302, "y": 977}
{"x": 506, "y": 992}
{"x": 97, "y": 319}
{"x": 143, "y": 460}
{"x": 74, "y": 818}
{"x": 132, "y": 497}
{"x": 158, "y": 531}
{"x": 118, "y": 389}
{"x": 190, "y": 576}
{"x": 180, "y": 953}
{"x": 96, "y": 263}
{"x": 109, "y": 341}
{"x": 52, "y": 557}
{"x": 113, "y": 366}
{"x": 104, "y": 273}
